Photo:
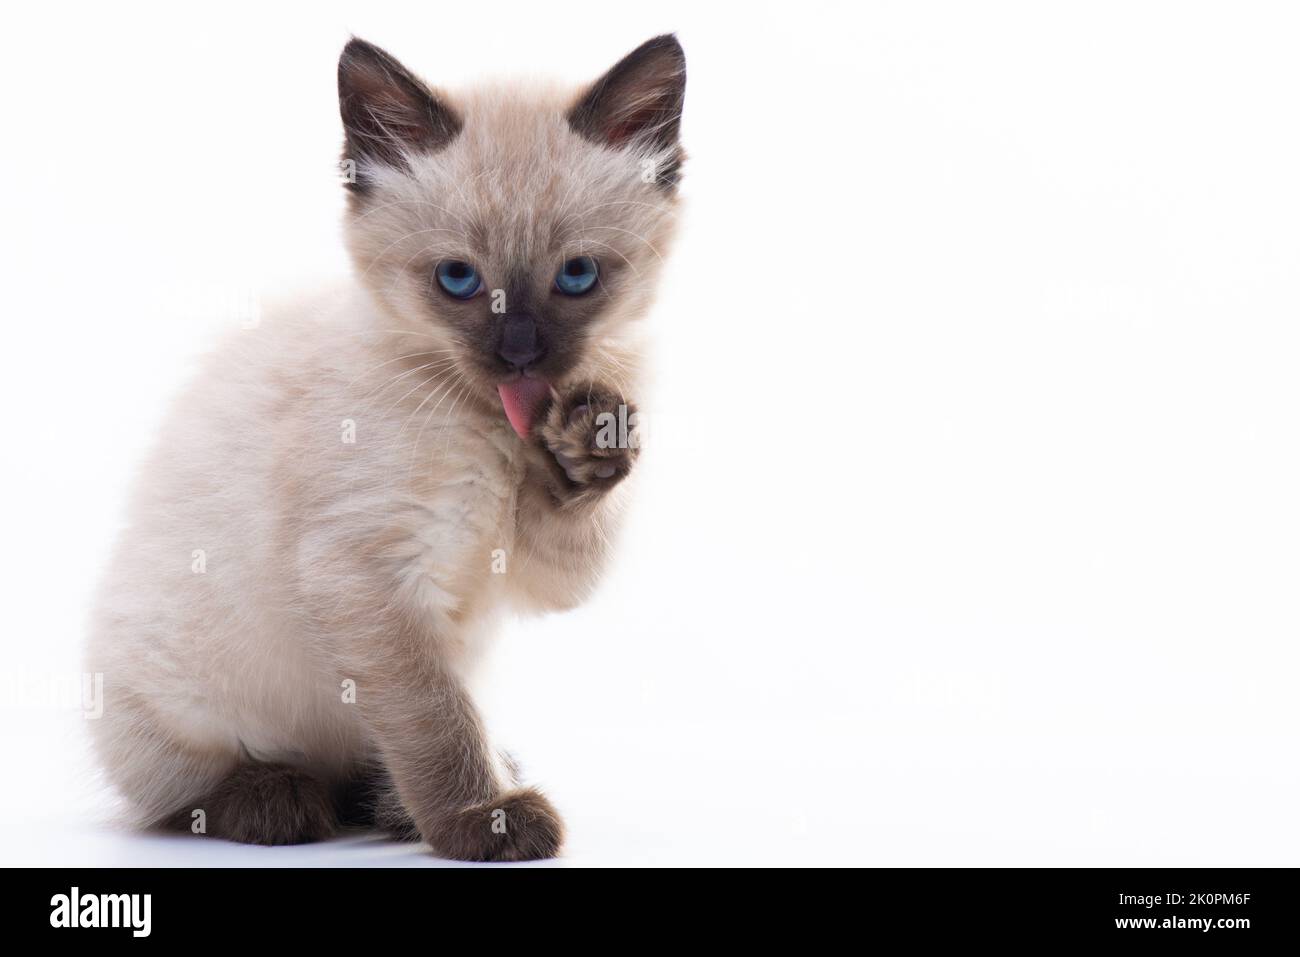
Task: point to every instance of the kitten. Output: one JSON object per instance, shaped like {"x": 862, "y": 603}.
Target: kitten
{"x": 315, "y": 559}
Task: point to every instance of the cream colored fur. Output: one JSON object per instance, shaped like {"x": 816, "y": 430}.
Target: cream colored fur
{"x": 327, "y": 561}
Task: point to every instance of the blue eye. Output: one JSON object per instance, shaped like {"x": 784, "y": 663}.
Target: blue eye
{"x": 458, "y": 279}
{"x": 576, "y": 276}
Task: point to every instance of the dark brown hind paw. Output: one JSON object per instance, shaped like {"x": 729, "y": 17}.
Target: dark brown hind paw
{"x": 263, "y": 804}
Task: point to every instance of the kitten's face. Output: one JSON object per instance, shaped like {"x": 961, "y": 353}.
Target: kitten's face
{"x": 523, "y": 233}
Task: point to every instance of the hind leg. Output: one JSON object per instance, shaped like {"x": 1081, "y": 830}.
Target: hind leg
{"x": 259, "y": 803}
{"x": 166, "y": 776}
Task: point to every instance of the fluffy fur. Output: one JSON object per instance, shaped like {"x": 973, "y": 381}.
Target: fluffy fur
{"x": 331, "y": 501}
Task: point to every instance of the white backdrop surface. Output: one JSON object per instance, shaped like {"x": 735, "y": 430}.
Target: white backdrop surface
{"x": 969, "y": 530}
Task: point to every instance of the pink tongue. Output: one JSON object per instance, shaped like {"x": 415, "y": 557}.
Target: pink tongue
{"x": 522, "y": 398}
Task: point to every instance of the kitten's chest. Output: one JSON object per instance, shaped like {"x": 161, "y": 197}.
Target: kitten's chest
{"x": 464, "y": 538}
{"x": 465, "y": 522}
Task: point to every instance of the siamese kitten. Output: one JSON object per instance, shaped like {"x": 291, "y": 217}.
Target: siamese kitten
{"x": 350, "y": 492}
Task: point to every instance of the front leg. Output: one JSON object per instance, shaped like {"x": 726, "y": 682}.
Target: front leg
{"x": 433, "y": 746}
{"x": 581, "y": 448}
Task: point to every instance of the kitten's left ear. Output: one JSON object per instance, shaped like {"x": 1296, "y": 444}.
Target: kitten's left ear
{"x": 638, "y": 103}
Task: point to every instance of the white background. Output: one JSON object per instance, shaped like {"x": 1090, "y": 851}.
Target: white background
{"x": 969, "y": 533}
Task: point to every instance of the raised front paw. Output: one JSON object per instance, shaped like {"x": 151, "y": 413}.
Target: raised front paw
{"x": 592, "y": 437}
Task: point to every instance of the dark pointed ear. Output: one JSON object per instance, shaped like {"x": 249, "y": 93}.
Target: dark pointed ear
{"x": 387, "y": 111}
{"x": 638, "y": 102}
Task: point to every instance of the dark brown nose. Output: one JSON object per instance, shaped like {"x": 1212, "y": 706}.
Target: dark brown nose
{"x": 521, "y": 344}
